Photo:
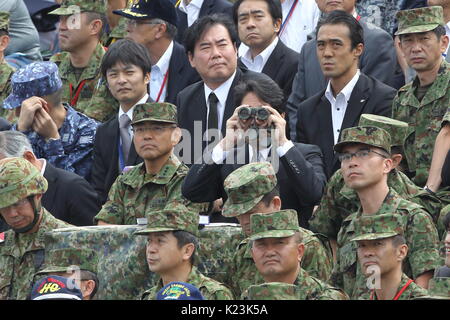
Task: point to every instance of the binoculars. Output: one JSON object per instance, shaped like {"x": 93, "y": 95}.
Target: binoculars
{"x": 259, "y": 113}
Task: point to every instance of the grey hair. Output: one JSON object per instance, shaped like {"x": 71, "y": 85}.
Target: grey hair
{"x": 14, "y": 144}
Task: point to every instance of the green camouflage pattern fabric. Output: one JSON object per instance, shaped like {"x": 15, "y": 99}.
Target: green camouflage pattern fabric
{"x": 310, "y": 288}
{"x": 209, "y": 288}
{"x": 419, "y": 20}
{"x": 424, "y": 119}
{"x": 413, "y": 291}
{"x": 396, "y": 129}
{"x": 171, "y": 219}
{"x": 18, "y": 180}
{"x": 136, "y": 193}
{"x": 339, "y": 201}
{"x": 278, "y": 224}
{"x": 117, "y": 33}
{"x": 6, "y": 72}
{"x": 420, "y": 234}
{"x": 372, "y": 136}
{"x": 69, "y": 7}
{"x": 4, "y": 20}
{"x": 246, "y": 186}
{"x": 438, "y": 289}
{"x": 317, "y": 261}
{"x": 440, "y": 225}
{"x": 373, "y": 227}
{"x": 272, "y": 291}
{"x": 21, "y": 256}
{"x": 95, "y": 99}
{"x": 61, "y": 260}
{"x": 155, "y": 111}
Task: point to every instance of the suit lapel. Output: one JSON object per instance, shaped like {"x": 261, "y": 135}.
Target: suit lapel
{"x": 273, "y": 64}
{"x": 356, "y": 103}
{"x": 229, "y": 106}
{"x": 175, "y": 68}
{"x": 206, "y": 8}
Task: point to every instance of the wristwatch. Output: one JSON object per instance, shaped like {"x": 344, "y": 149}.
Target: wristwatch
{"x": 428, "y": 190}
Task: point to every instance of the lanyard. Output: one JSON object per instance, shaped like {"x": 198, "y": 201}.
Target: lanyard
{"x": 162, "y": 86}
{"x": 398, "y": 294}
{"x": 74, "y": 99}
{"x": 121, "y": 157}
{"x": 358, "y": 17}
{"x": 291, "y": 11}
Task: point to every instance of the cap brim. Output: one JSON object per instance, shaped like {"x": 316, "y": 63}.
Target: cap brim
{"x": 374, "y": 236}
{"x": 52, "y": 269}
{"x": 64, "y": 12}
{"x": 273, "y": 234}
{"x": 127, "y": 13}
{"x": 151, "y": 230}
{"x": 152, "y": 119}
{"x": 231, "y": 210}
{"x": 11, "y": 102}
{"x": 415, "y": 29}
{"x": 57, "y": 296}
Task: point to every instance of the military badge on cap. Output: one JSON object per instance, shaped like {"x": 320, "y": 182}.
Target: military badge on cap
{"x": 151, "y": 9}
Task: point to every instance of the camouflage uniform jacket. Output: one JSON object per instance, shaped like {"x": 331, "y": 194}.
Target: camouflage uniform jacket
{"x": 118, "y": 32}
{"x": 411, "y": 292}
{"x": 6, "y": 72}
{"x": 94, "y": 99}
{"x": 421, "y": 238}
{"x": 209, "y": 288}
{"x": 136, "y": 192}
{"x": 73, "y": 151}
{"x": 339, "y": 201}
{"x": 317, "y": 261}
{"x": 424, "y": 119}
{"x": 21, "y": 256}
{"x": 311, "y": 288}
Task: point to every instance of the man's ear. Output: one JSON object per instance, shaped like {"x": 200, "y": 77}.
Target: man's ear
{"x": 176, "y": 136}
{"x": 402, "y": 252}
{"x": 87, "y": 287}
{"x": 188, "y": 250}
{"x": 300, "y": 251}
{"x": 4, "y": 42}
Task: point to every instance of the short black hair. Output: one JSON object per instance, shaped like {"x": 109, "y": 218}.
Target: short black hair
{"x": 268, "y": 197}
{"x": 183, "y": 238}
{"x": 196, "y": 30}
{"x": 274, "y": 9}
{"x": 171, "y": 30}
{"x": 4, "y": 33}
{"x": 398, "y": 240}
{"x": 127, "y": 52}
{"x": 92, "y": 15}
{"x": 263, "y": 87}
{"x": 447, "y": 221}
{"x": 356, "y": 31}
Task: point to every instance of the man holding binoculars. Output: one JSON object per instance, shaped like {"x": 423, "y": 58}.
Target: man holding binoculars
{"x": 256, "y": 132}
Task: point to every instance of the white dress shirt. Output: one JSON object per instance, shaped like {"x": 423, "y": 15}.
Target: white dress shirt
{"x": 130, "y": 112}
{"x": 257, "y": 64}
{"x": 158, "y": 73}
{"x": 192, "y": 10}
{"x": 339, "y": 104}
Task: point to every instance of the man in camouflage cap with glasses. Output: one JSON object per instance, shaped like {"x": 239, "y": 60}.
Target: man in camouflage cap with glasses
{"x": 6, "y": 71}
{"x": 171, "y": 252}
{"x": 80, "y": 29}
{"x": 423, "y": 103}
{"x": 277, "y": 250}
{"x": 155, "y": 182}
{"x": 339, "y": 201}
{"x": 22, "y": 251}
{"x": 253, "y": 189}
{"x": 365, "y": 164}
{"x": 381, "y": 249}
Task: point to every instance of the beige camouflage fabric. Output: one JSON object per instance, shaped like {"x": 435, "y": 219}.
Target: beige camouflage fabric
{"x": 156, "y": 111}
{"x": 372, "y": 136}
{"x": 69, "y": 7}
{"x": 396, "y": 129}
{"x": 373, "y": 227}
{"x": 277, "y": 224}
{"x": 61, "y": 260}
{"x": 419, "y": 20}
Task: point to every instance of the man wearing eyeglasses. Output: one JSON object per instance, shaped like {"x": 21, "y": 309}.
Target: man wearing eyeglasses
{"x": 151, "y": 185}
{"x": 365, "y": 158}
{"x": 153, "y": 24}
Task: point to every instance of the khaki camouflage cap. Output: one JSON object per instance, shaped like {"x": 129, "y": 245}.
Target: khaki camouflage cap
{"x": 380, "y": 226}
{"x": 155, "y": 111}
{"x": 171, "y": 219}
{"x": 279, "y": 224}
{"x": 246, "y": 186}
{"x": 372, "y": 136}
{"x": 19, "y": 179}
{"x": 273, "y": 291}
{"x": 438, "y": 289}
{"x": 419, "y": 20}
{"x": 65, "y": 260}
{"x": 4, "y": 20}
{"x": 69, "y": 7}
{"x": 396, "y": 129}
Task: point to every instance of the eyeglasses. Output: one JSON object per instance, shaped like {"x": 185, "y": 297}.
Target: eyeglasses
{"x": 360, "y": 154}
{"x": 133, "y": 23}
{"x": 151, "y": 129}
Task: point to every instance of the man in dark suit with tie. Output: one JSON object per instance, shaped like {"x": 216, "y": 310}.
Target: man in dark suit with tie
{"x": 205, "y": 106}
{"x": 191, "y": 10}
{"x": 349, "y": 93}
{"x": 126, "y": 67}
{"x": 153, "y": 24}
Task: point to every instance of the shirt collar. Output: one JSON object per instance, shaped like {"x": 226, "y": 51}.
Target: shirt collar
{"x": 346, "y": 91}
{"x": 164, "y": 61}
{"x": 265, "y": 54}
{"x": 194, "y": 3}
{"x": 44, "y": 165}
{"x": 130, "y": 112}
{"x": 222, "y": 91}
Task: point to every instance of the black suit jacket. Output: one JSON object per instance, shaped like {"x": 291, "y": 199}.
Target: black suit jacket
{"x": 208, "y": 7}
{"x": 4, "y": 124}
{"x": 181, "y": 74}
{"x": 69, "y": 197}
{"x": 315, "y": 124}
{"x": 301, "y": 179}
{"x": 192, "y": 111}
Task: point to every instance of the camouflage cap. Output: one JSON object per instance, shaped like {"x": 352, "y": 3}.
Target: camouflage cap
{"x": 155, "y": 111}
{"x": 278, "y": 224}
{"x": 4, "y": 20}
{"x": 171, "y": 219}
{"x": 379, "y": 226}
{"x": 438, "y": 289}
{"x": 35, "y": 79}
{"x": 272, "y": 291}
{"x": 66, "y": 260}
{"x": 372, "y": 136}
{"x": 419, "y": 20}
{"x": 246, "y": 186}
{"x": 396, "y": 129}
{"x": 151, "y": 9}
{"x": 69, "y": 7}
{"x": 19, "y": 179}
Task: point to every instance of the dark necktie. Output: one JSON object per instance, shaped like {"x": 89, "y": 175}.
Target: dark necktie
{"x": 124, "y": 123}
{"x": 213, "y": 120}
